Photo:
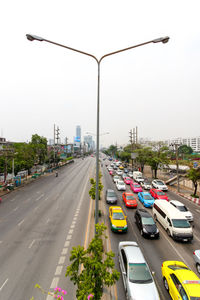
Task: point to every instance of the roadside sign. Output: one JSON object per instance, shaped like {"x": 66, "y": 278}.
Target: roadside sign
{"x": 195, "y": 164}
{"x": 134, "y": 155}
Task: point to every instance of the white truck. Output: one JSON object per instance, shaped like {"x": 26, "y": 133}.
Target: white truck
{"x": 137, "y": 176}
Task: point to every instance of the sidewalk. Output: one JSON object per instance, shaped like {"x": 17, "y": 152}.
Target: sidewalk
{"x": 184, "y": 192}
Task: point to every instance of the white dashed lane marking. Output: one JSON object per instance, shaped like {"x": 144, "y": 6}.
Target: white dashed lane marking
{"x": 3, "y": 284}
{"x": 71, "y": 231}
{"x": 31, "y": 244}
{"x": 54, "y": 283}
{"x": 64, "y": 251}
{"x": 20, "y": 223}
{"x": 58, "y": 270}
{"x": 69, "y": 237}
{"x": 39, "y": 197}
{"x": 67, "y": 244}
{"x": 61, "y": 260}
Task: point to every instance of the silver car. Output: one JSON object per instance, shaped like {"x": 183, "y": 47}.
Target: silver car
{"x": 196, "y": 255}
{"x": 136, "y": 275}
{"x": 111, "y": 196}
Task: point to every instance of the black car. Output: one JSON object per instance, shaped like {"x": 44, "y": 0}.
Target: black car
{"x": 146, "y": 223}
{"x": 111, "y": 196}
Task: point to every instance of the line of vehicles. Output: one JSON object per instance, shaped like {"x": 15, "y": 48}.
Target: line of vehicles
{"x": 173, "y": 216}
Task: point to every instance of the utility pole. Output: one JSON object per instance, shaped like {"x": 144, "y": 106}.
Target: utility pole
{"x": 136, "y": 135}
{"x": 131, "y": 141}
{"x": 176, "y": 145}
{"x": 54, "y": 142}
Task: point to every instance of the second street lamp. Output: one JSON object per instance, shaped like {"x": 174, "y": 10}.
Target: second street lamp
{"x": 164, "y": 40}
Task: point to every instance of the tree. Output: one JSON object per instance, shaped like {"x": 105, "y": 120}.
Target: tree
{"x": 24, "y": 157}
{"x": 39, "y": 146}
{"x": 98, "y": 267}
{"x": 158, "y": 156}
{"x": 144, "y": 155}
{"x": 194, "y": 176}
{"x": 184, "y": 149}
{"x": 92, "y": 191}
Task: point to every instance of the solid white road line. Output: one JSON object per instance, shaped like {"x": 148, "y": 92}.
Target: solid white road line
{"x": 3, "y": 284}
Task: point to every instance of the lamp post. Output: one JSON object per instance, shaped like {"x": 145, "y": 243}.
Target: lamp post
{"x": 164, "y": 40}
{"x": 176, "y": 145}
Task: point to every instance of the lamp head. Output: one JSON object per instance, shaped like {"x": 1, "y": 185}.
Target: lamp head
{"x": 31, "y": 37}
{"x": 164, "y": 40}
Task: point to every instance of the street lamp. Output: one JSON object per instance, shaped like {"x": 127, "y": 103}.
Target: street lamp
{"x": 163, "y": 40}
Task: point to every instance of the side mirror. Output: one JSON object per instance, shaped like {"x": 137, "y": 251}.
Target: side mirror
{"x": 153, "y": 273}
{"x": 124, "y": 273}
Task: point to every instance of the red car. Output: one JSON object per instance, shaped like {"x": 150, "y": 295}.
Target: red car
{"x": 127, "y": 180}
{"x": 129, "y": 200}
{"x": 158, "y": 194}
{"x": 111, "y": 172}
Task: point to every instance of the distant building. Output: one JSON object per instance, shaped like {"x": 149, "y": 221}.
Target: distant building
{"x": 89, "y": 141}
{"x": 193, "y": 142}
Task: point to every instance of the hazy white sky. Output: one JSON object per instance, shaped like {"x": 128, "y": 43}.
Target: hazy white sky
{"x": 155, "y": 87}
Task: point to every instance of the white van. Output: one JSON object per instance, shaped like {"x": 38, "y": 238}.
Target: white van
{"x": 176, "y": 225}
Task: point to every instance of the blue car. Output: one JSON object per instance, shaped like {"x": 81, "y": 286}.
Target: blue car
{"x": 146, "y": 199}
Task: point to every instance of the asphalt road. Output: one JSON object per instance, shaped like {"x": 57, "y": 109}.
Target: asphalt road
{"x": 39, "y": 224}
{"x": 155, "y": 251}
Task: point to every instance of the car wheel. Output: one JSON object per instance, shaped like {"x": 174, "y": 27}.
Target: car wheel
{"x": 166, "y": 284}
{"x": 168, "y": 232}
{"x": 198, "y": 267}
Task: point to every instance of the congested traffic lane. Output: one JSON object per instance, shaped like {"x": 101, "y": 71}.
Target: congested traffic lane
{"x": 155, "y": 251}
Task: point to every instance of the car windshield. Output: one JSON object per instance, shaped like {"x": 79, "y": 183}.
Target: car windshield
{"x": 111, "y": 194}
{"x": 180, "y": 223}
{"x": 136, "y": 185}
{"x": 160, "y": 182}
{"x": 182, "y": 208}
{"x": 130, "y": 198}
{"x": 147, "y": 221}
{"x": 147, "y": 197}
{"x": 195, "y": 298}
{"x": 118, "y": 216}
{"x": 160, "y": 193}
{"x": 139, "y": 273}
{"x": 120, "y": 182}
{"x": 146, "y": 182}
{"x": 178, "y": 267}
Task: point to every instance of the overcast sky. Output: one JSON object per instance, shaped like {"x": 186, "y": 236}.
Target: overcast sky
{"x": 155, "y": 87}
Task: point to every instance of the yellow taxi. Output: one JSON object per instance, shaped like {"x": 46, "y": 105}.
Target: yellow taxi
{"x": 117, "y": 219}
{"x": 121, "y": 167}
{"x": 180, "y": 281}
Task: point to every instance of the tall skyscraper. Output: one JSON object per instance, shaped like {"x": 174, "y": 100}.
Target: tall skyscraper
{"x": 78, "y": 134}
